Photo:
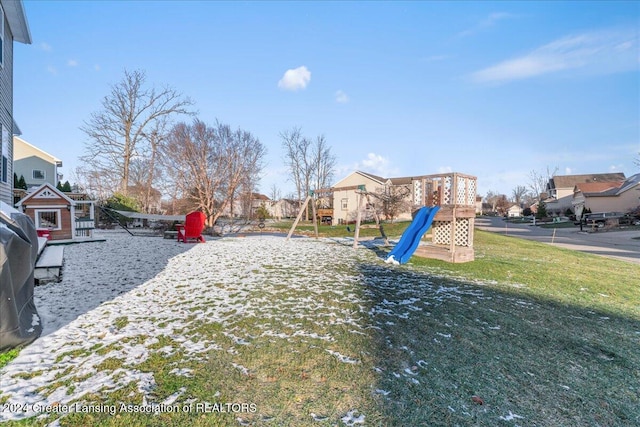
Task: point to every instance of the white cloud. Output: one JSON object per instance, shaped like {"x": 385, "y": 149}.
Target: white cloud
{"x": 52, "y": 70}
{"x": 72, "y": 63}
{"x": 46, "y": 47}
{"x": 341, "y": 97}
{"x": 568, "y": 171}
{"x": 487, "y": 22}
{"x": 445, "y": 169}
{"x": 96, "y": 67}
{"x": 295, "y": 79}
{"x": 601, "y": 52}
{"x": 377, "y": 165}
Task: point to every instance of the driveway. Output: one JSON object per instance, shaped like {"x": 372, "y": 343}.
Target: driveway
{"x": 622, "y": 244}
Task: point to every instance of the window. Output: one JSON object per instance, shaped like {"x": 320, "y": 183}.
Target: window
{"x": 38, "y": 174}
{"x": 4, "y": 159}
{"x": 48, "y": 218}
{"x": 344, "y": 204}
{"x": 5, "y": 167}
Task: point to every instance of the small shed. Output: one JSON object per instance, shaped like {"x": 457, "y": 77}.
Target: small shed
{"x": 57, "y": 216}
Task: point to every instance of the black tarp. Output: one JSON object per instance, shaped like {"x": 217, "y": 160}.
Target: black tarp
{"x": 19, "y": 320}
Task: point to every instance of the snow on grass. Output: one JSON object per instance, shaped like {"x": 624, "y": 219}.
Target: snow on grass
{"x": 131, "y": 303}
{"x": 122, "y": 301}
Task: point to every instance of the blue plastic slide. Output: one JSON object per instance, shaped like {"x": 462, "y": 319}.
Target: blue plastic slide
{"x": 410, "y": 239}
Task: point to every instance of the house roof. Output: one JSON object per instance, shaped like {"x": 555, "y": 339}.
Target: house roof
{"x": 17, "y": 19}
{"x": 42, "y": 154}
{"x": 630, "y": 182}
{"x": 401, "y": 181}
{"x": 46, "y": 186}
{"x": 380, "y": 179}
{"x": 16, "y": 129}
{"x": 570, "y": 181}
{"x": 592, "y": 188}
{"x": 603, "y": 189}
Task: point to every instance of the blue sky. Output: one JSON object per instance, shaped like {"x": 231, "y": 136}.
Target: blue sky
{"x": 492, "y": 89}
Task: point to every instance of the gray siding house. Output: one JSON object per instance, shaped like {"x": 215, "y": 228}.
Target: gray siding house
{"x": 35, "y": 165}
{"x": 13, "y": 27}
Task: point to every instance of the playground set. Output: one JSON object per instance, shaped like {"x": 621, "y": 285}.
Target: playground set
{"x": 447, "y": 208}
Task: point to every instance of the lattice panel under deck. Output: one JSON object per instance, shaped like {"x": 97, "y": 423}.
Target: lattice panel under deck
{"x": 441, "y": 232}
{"x": 463, "y": 232}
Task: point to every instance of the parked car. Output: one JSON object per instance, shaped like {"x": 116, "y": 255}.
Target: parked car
{"x": 599, "y": 219}
{"x": 629, "y": 219}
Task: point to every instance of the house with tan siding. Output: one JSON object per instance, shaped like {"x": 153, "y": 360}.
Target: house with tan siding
{"x": 560, "y": 189}
{"x": 617, "y": 196}
{"x": 13, "y": 27}
{"x": 345, "y": 196}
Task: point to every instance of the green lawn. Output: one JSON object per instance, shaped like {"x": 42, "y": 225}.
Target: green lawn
{"x": 541, "y": 336}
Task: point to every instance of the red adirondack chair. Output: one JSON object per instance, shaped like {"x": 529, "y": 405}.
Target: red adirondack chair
{"x": 193, "y": 226}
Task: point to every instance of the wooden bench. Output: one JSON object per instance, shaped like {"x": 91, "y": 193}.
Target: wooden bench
{"x": 49, "y": 264}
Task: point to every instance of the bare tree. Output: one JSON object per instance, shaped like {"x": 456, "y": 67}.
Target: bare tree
{"x": 324, "y": 162}
{"x": 538, "y": 180}
{"x": 310, "y": 163}
{"x": 492, "y": 198}
{"x": 274, "y": 193}
{"x": 129, "y": 114}
{"x": 93, "y": 183}
{"x": 393, "y": 200}
{"x": 298, "y": 160}
{"x": 211, "y": 165}
{"x": 519, "y": 193}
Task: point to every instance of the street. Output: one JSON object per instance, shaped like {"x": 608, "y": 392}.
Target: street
{"x": 622, "y": 244}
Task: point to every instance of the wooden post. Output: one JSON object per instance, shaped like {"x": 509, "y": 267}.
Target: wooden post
{"x": 313, "y": 209}
{"x": 358, "y": 218}
{"x": 295, "y": 223}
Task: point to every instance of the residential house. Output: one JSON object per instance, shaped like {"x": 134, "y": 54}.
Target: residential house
{"x": 35, "y": 165}
{"x": 13, "y": 27}
{"x": 478, "y": 205}
{"x": 149, "y": 198}
{"x": 246, "y": 205}
{"x": 283, "y": 208}
{"x": 348, "y": 194}
{"x": 560, "y": 189}
{"x": 514, "y": 211}
{"x": 57, "y": 215}
{"x": 414, "y": 192}
{"x": 616, "y": 196}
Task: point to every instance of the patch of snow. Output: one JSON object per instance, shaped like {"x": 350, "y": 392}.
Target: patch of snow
{"x": 510, "y": 417}
{"x": 343, "y": 358}
{"x": 182, "y": 372}
{"x": 392, "y": 260}
{"x": 351, "y": 418}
